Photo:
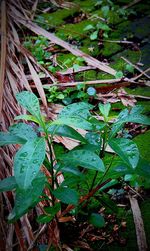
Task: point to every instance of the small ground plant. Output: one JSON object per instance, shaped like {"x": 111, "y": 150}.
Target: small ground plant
{"x": 33, "y": 184}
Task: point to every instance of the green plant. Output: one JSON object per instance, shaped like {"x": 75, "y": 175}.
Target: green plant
{"x": 29, "y": 181}
{"x": 37, "y": 45}
{"x": 96, "y": 30}
{"x": 69, "y": 95}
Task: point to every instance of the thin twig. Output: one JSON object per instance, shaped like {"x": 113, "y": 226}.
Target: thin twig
{"x": 93, "y": 82}
{"x": 136, "y": 67}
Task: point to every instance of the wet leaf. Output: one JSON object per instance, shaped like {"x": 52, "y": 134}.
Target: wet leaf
{"x": 7, "y": 139}
{"x": 27, "y": 162}
{"x": 27, "y": 198}
{"x": 126, "y": 149}
{"x": 8, "y": 184}
{"x": 97, "y": 220}
{"x": 66, "y": 131}
{"x": 84, "y": 158}
{"x": 67, "y": 195}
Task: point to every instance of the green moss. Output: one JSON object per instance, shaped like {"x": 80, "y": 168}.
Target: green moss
{"x": 143, "y": 91}
{"x": 143, "y": 143}
{"x": 86, "y": 76}
{"x": 110, "y": 49}
{"x": 121, "y": 31}
{"x": 57, "y": 18}
{"x": 119, "y": 64}
{"x": 75, "y": 31}
{"x": 86, "y": 5}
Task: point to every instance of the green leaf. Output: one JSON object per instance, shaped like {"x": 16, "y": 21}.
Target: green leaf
{"x": 27, "y": 117}
{"x": 60, "y": 96}
{"x": 80, "y": 109}
{"x": 89, "y": 27}
{"x": 7, "y": 139}
{"x": 94, "y": 35}
{"x": 74, "y": 121}
{"x": 67, "y": 195}
{"x": 76, "y": 67}
{"x": 45, "y": 218}
{"x": 8, "y": 184}
{"x": 134, "y": 115}
{"x": 97, "y": 220}
{"x": 105, "y": 109}
{"x": 126, "y": 149}
{"x": 119, "y": 74}
{"x": 66, "y": 131}
{"x": 27, "y": 198}
{"x": 93, "y": 138}
{"x": 103, "y": 26}
{"x": 27, "y": 162}
{"x": 29, "y": 101}
{"x": 105, "y": 10}
{"x": 84, "y": 158}
{"x": 96, "y": 124}
{"x": 129, "y": 68}
{"x": 23, "y": 130}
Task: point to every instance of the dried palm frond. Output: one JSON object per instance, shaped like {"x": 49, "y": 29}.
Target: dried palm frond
{"x": 13, "y": 79}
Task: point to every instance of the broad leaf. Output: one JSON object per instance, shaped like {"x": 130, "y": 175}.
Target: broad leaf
{"x": 94, "y": 35}
{"x": 74, "y": 121}
{"x": 7, "y": 139}
{"x": 8, "y": 184}
{"x": 93, "y": 138}
{"x": 27, "y": 117}
{"x": 27, "y": 162}
{"x": 67, "y": 195}
{"x": 66, "y": 131}
{"x": 126, "y": 116}
{"x": 97, "y": 220}
{"x": 105, "y": 109}
{"x": 27, "y": 198}
{"x": 23, "y": 130}
{"x": 126, "y": 149}
{"x": 80, "y": 110}
{"x": 89, "y": 27}
{"x": 84, "y": 158}
{"x": 29, "y": 101}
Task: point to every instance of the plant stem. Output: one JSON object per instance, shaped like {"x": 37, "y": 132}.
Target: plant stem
{"x": 102, "y": 154}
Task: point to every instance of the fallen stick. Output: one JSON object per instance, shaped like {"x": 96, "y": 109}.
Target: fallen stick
{"x": 93, "y": 82}
{"x": 40, "y": 31}
{"x": 139, "y": 226}
{"x": 136, "y": 67}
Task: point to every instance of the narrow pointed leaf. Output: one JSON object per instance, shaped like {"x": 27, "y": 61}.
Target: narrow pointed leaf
{"x": 27, "y": 162}
{"x": 134, "y": 116}
{"x": 23, "y": 130}
{"x": 27, "y": 117}
{"x": 27, "y": 198}
{"x": 84, "y": 158}
{"x": 126, "y": 149}
{"x": 74, "y": 121}
{"x": 7, "y": 139}
{"x": 29, "y": 101}
{"x": 67, "y": 195}
{"x": 66, "y": 131}
{"x": 8, "y": 184}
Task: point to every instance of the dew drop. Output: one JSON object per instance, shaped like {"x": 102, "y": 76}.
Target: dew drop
{"x": 93, "y": 159}
{"x": 35, "y": 161}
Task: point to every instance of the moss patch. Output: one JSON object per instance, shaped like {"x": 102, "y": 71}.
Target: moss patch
{"x": 143, "y": 143}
